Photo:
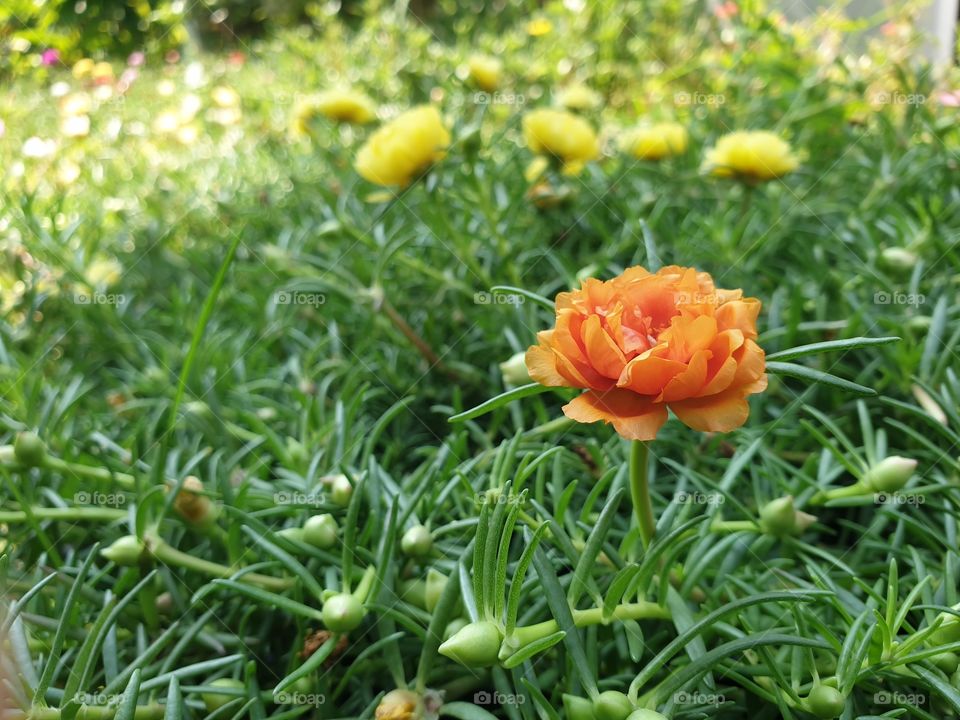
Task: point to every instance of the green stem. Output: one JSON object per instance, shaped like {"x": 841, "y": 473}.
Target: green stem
{"x": 73, "y": 514}
{"x": 592, "y": 616}
{"x": 171, "y": 556}
{"x": 735, "y": 526}
{"x": 90, "y": 472}
{"x": 154, "y": 711}
{"x": 856, "y": 490}
{"x": 640, "y": 491}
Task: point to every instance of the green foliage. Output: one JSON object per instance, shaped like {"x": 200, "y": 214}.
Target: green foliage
{"x": 280, "y": 393}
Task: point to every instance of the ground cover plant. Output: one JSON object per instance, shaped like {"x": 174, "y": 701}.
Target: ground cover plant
{"x": 566, "y": 361}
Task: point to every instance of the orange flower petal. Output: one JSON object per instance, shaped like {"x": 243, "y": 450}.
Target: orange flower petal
{"x": 633, "y": 416}
{"x": 690, "y": 382}
{"x": 647, "y": 374}
{"x": 740, "y": 314}
{"x": 602, "y": 352}
{"x": 542, "y": 366}
{"x": 723, "y": 412}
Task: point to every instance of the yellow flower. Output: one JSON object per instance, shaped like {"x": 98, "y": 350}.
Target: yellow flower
{"x": 345, "y": 106}
{"x": 225, "y": 97}
{"x": 83, "y": 68}
{"x": 539, "y": 26}
{"x": 102, "y": 72}
{"x": 103, "y": 272}
{"x": 750, "y": 155}
{"x": 485, "y": 72}
{"x": 578, "y": 97}
{"x": 562, "y": 135}
{"x": 655, "y": 142}
{"x": 403, "y": 148}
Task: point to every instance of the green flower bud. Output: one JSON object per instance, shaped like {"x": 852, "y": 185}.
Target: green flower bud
{"x": 890, "y": 474}
{"x": 436, "y": 582}
{"x": 476, "y": 645}
{"x": 779, "y": 517}
{"x": 898, "y": 258}
{"x": 612, "y": 705}
{"x": 577, "y": 708}
{"x": 417, "y": 541}
{"x": 29, "y": 449}
{"x": 400, "y": 705}
{"x": 127, "y": 551}
{"x": 947, "y": 662}
{"x": 646, "y": 715}
{"x": 340, "y": 489}
{"x": 292, "y": 533}
{"x": 949, "y": 630}
{"x": 825, "y": 702}
{"x": 514, "y": 370}
{"x": 321, "y": 531}
{"x": 342, "y": 613}
{"x": 453, "y": 627}
{"x": 213, "y": 701}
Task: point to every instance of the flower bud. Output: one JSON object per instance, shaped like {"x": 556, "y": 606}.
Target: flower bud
{"x": 436, "y": 582}
{"x": 514, "y": 370}
{"x": 577, "y": 708}
{"x": 29, "y": 449}
{"x": 417, "y": 541}
{"x": 890, "y": 474}
{"x": 825, "y": 702}
{"x": 947, "y": 662}
{"x": 453, "y": 627}
{"x": 126, "y": 551}
{"x": 340, "y": 489}
{"x": 213, "y": 701}
{"x": 898, "y": 258}
{"x": 291, "y": 533}
{"x": 321, "y": 531}
{"x": 646, "y": 715}
{"x": 193, "y": 505}
{"x": 779, "y": 517}
{"x": 400, "y": 705}
{"x": 342, "y": 612}
{"x": 476, "y": 645}
{"x": 949, "y": 630}
{"x": 612, "y": 705}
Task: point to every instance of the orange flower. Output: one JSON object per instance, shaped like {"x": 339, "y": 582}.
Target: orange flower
{"x": 643, "y": 342}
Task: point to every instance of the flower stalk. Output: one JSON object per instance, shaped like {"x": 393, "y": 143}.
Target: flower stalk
{"x": 640, "y": 491}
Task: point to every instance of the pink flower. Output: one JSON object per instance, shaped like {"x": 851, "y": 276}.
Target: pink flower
{"x": 949, "y": 98}
{"x": 50, "y": 57}
{"x": 136, "y": 59}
